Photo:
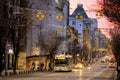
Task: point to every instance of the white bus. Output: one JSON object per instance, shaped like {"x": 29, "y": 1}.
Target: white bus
{"x": 63, "y": 62}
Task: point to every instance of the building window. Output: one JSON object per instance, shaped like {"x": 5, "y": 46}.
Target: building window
{"x": 80, "y": 25}
{"x": 73, "y": 23}
{"x": 48, "y": 3}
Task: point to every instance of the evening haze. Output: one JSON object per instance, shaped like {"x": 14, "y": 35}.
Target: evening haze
{"x": 91, "y": 6}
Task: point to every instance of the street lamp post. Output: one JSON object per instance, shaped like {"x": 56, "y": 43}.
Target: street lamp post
{"x": 40, "y": 16}
{"x": 9, "y": 50}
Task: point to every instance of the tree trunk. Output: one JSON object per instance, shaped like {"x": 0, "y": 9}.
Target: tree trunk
{"x": 14, "y": 67}
{"x": 118, "y": 67}
{"x": 1, "y": 60}
{"x": 16, "y": 57}
{"x": 2, "y": 52}
{"x": 15, "y": 40}
{"x": 51, "y": 61}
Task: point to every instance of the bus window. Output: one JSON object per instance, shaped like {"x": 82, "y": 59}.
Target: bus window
{"x": 61, "y": 62}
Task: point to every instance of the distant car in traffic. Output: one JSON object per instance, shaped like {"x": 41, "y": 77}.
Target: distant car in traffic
{"x": 78, "y": 66}
{"x": 111, "y": 64}
{"x": 103, "y": 63}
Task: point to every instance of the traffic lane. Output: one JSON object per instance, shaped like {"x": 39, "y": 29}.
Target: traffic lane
{"x": 101, "y": 74}
{"x": 46, "y": 76}
{"x": 81, "y": 75}
{"x": 107, "y": 74}
{"x": 87, "y": 73}
{"x": 75, "y": 75}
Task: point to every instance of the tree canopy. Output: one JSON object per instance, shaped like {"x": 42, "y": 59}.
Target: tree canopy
{"x": 111, "y": 9}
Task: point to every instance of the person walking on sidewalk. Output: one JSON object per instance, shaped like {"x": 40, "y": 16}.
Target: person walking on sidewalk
{"x": 41, "y": 66}
{"x": 33, "y": 65}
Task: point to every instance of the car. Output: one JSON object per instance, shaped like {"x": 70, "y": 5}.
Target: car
{"x": 103, "y": 65}
{"x": 111, "y": 64}
{"x": 79, "y": 66}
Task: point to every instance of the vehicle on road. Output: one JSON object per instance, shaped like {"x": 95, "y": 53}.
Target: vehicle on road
{"x": 111, "y": 64}
{"x": 103, "y": 63}
{"x": 79, "y": 66}
{"x": 63, "y": 62}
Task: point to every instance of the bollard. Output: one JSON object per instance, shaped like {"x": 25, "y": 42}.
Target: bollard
{"x": 10, "y": 73}
{"x": 24, "y": 72}
{"x": 6, "y": 73}
{"x": 18, "y": 72}
{"x": 28, "y": 71}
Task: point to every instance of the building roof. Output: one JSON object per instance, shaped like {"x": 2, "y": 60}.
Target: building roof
{"x": 80, "y": 10}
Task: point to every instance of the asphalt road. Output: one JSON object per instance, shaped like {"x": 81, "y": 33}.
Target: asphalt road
{"x": 94, "y": 72}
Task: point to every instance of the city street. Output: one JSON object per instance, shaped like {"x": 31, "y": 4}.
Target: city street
{"x": 59, "y": 39}
{"x": 95, "y": 72}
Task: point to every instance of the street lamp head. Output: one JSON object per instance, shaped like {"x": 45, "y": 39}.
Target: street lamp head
{"x": 10, "y": 51}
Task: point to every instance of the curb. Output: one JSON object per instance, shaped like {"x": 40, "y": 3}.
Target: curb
{"x": 24, "y": 72}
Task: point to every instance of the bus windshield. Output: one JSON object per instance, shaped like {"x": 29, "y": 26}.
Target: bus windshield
{"x": 61, "y": 62}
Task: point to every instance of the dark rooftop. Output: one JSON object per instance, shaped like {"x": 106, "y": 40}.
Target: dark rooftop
{"x": 80, "y": 10}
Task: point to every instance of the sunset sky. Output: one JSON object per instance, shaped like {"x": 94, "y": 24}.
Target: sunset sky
{"x": 90, "y": 6}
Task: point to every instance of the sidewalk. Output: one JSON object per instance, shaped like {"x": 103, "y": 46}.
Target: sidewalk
{"x": 18, "y": 72}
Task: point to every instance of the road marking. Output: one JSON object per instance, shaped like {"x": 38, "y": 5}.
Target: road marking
{"x": 96, "y": 74}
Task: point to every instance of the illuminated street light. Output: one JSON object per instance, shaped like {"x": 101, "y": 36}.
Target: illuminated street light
{"x": 59, "y": 29}
{"x": 78, "y": 54}
{"x": 73, "y": 36}
{"x": 69, "y": 31}
{"x": 78, "y": 39}
{"x": 9, "y": 50}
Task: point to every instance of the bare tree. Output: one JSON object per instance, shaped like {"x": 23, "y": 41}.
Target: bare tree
{"x": 116, "y": 41}
{"x": 19, "y": 31}
{"x": 50, "y": 44}
{"x": 4, "y": 31}
{"x": 111, "y": 9}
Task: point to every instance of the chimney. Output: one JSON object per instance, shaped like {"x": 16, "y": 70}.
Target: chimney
{"x": 79, "y": 5}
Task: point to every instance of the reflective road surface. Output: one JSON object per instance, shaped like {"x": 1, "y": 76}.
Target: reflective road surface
{"x": 95, "y": 72}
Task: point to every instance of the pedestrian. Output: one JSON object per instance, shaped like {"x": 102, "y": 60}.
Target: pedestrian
{"x": 49, "y": 66}
{"x": 33, "y": 65}
{"x": 41, "y": 66}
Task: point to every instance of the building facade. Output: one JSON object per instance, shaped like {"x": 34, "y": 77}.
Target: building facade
{"x": 87, "y": 29}
{"x": 47, "y": 24}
